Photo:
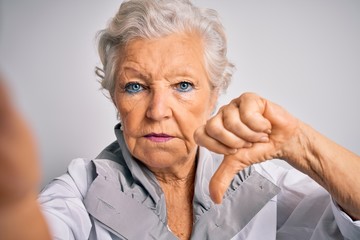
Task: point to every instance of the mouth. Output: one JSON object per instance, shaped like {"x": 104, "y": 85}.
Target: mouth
{"x": 158, "y": 137}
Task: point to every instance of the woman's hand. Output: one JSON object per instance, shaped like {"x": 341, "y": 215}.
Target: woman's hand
{"x": 20, "y": 215}
{"x": 248, "y": 130}
{"x": 19, "y": 171}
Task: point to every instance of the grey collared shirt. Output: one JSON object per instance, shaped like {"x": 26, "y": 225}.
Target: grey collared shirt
{"x": 116, "y": 197}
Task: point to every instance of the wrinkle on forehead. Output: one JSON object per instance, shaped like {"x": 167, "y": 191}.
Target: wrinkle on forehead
{"x": 150, "y": 57}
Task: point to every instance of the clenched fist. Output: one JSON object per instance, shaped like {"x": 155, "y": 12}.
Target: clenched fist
{"x": 248, "y": 130}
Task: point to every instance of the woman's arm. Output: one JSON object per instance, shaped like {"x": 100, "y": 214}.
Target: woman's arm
{"x": 331, "y": 165}
{"x": 20, "y": 216}
{"x": 257, "y": 130}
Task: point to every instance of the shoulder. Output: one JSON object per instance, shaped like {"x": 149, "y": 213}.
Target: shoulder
{"x": 62, "y": 201}
{"x": 75, "y": 182}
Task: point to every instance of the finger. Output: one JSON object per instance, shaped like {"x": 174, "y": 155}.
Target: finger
{"x": 278, "y": 116}
{"x": 232, "y": 122}
{"x": 216, "y": 129}
{"x": 202, "y": 139}
{"x": 234, "y": 163}
{"x": 252, "y": 108}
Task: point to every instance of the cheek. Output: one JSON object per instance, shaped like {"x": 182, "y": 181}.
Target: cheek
{"x": 203, "y": 107}
{"x": 131, "y": 110}
{"x": 126, "y": 104}
{"x": 131, "y": 114}
{"x": 194, "y": 113}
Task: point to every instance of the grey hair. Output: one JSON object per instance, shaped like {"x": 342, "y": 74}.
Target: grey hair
{"x": 144, "y": 19}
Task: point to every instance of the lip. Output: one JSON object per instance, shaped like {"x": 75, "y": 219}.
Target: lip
{"x": 158, "y": 137}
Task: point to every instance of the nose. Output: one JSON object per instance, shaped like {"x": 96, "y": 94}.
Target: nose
{"x": 159, "y": 106}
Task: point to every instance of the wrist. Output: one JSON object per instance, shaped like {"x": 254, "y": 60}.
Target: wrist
{"x": 332, "y": 166}
{"x": 299, "y": 150}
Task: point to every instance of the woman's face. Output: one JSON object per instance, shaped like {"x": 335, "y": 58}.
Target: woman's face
{"x": 163, "y": 95}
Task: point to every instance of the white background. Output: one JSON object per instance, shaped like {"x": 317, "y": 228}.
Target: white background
{"x": 303, "y": 55}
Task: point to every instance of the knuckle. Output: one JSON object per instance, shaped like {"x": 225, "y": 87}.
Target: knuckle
{"x": 231, "y": 123}
{"x": 197, "y": 134}
{"x": 213, "y": 130}
{"x": 247, "y": 95}
{"x": 247, "y": 116}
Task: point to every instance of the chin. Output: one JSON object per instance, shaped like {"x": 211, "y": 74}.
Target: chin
{"x": 161, "y": 159}
{"x": 157, "y": 159}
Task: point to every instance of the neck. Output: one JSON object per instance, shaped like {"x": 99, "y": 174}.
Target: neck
{"x": 183, "y": 176}
{"x": 177, "y": 184}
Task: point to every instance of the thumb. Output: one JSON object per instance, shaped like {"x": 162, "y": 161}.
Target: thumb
{"x": 232, "y": 164}
{"x": 223, "y": 176}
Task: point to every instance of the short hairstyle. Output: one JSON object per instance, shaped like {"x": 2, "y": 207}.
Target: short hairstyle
{"x": 144, "y": 19}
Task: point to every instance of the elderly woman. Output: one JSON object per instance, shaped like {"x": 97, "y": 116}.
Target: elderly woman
{"x": 164, "y": 66}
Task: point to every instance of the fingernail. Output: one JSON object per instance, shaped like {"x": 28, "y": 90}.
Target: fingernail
{"x": 264, "y": 139}
{"x": 268, "y": 131}
{"x": 248, "y": 145}
{"x": 233, "y": 151}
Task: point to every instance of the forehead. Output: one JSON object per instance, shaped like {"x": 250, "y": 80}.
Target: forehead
{"x": 173, "y": 54}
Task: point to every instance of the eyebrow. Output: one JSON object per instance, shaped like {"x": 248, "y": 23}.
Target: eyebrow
{"x": 134, "y": 71}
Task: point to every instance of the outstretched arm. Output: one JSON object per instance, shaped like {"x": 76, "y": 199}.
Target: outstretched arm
{"x": 20, "y": 215}
{"x": 252, "y": 129}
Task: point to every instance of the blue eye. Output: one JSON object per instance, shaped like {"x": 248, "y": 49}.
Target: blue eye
{"x": 184, "y": 86}
{"x": 133, "y": 87}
